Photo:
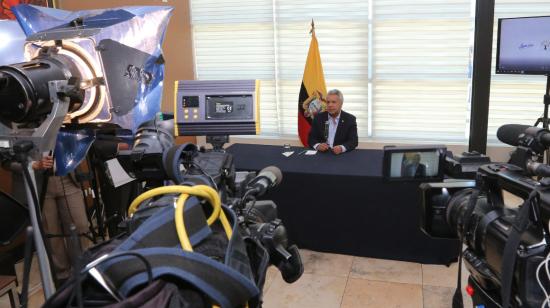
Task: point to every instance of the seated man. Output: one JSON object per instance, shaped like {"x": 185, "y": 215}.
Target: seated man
{"x": 334, "y": 129}
{"x": 412, "y": 167}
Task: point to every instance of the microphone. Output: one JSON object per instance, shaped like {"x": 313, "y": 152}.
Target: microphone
{"x": 326, "y": 130}
{"x": 268, "y": 178}
{"x": 510, "y": 133}
{"x": 533, "y": 137}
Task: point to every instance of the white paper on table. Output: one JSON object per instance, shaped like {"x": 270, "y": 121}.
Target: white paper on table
{"x": 311, "y": 152}
{"x": 287, "y": 154}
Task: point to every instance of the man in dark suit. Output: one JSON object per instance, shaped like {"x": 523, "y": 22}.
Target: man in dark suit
{"x": 411, "y": 166}
{"x": 333, "y": 130}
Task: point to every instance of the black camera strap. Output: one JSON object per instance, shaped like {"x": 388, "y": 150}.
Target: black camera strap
{"x": 521, "y": 223}
{"x": 457, "y": 297}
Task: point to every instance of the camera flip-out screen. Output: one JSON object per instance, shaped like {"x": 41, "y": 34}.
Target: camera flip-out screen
{"x": 414, "y": 163}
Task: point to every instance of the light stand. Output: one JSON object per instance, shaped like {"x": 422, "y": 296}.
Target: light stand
{"x": 22, "y": 144}
{"x": 544, "y": 119}
{"x": 22, "y": 150}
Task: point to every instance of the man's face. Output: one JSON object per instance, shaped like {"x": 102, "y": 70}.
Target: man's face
{"x": 334, "y": 105}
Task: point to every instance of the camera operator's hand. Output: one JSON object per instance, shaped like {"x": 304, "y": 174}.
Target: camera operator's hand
{"x": 337, "y": 150}
{"x": 45, "y": 163}
{"x": 323, "y": 147}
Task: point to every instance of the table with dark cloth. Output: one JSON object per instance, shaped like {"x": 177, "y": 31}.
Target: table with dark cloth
{"x": 342, "y": 204}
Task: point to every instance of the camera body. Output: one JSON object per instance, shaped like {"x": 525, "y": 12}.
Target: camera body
{"x": 486, "y": 230}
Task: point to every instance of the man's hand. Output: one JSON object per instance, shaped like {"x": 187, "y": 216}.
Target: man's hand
{"x": 337, "y": 150}
{"x": 323, "y": 147}
{"x": 45, "y": 163}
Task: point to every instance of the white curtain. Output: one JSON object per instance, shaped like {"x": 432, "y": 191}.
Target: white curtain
{"x": 404, "y": 66}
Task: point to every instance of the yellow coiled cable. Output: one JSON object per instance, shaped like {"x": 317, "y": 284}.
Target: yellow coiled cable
{"x": 202, "y": 191}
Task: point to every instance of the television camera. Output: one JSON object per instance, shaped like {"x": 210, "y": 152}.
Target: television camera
{"x": 235, "y": 248}
{"x": 195, "y": 205}
{"x": 507, "y": 251}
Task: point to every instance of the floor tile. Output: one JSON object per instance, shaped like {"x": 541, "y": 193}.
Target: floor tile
{"x": 271, "y": 275}
{"x": 386, "y": 270}
{"x": 36, "y": 300}
{"x": 329, "y": 264}
{"x": 442, "y": 297}
{"x": 309, "y": 291}
{"x": 442, "y": 276}
{"x": 5, "y": 301}
{"x": 362, "y": 293}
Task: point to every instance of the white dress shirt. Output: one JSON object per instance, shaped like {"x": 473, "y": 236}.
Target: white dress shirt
{"x": 332, "y": 127}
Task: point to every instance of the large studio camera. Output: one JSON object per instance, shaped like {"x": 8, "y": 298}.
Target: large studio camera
{"x": 506, "y": 247}
{"x": 197, "y": 235}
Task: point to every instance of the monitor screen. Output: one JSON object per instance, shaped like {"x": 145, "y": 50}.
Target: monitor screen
{"x": 523, "y": 45}
{"x": 414, "y": 163}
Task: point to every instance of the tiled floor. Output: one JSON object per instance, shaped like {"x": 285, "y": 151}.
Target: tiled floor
{"x": 332, "y": 281}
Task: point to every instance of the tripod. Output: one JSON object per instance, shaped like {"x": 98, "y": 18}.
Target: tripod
{"x": 21, "y": 154}
{"x": 544, "y": 119}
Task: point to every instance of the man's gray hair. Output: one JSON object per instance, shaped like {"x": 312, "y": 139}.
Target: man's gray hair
{"x": 337, "y": 93}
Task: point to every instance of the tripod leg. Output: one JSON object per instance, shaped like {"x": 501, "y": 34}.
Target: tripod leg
{"x": 27, "y": 268}
{"x": 43, "y": 261}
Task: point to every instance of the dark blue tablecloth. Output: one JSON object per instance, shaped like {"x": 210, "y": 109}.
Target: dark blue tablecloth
{"x": 342, "y": 204}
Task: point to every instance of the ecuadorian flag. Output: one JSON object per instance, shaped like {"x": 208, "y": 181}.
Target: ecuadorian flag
{"x": 313, "y": 90}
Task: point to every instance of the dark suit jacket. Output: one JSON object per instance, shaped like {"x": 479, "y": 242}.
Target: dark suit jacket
{"x": 346, "y": 133}
{"x": 413, "y": 170}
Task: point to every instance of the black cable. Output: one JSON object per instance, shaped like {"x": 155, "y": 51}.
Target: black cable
{"x": 247, "y": 214}
{"x": 208, "y": 175}
{"x": 88, "y": 214}
{"x": 71, "y": 216}
{"x": 66, "y": 200}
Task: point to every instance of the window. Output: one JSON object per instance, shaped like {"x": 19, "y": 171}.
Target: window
{"x": 404, "y": 66}
{"x": 421, "y": 59}
{"x": 269, "y": 40}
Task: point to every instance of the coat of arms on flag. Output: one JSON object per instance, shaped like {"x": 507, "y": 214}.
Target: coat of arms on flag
{"x": 313, "y": 90}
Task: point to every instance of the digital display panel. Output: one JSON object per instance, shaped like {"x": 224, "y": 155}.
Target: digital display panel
{"x": 226, "y": 107}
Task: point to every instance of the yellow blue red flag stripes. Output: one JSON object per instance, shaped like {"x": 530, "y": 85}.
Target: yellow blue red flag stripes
{"x": 312, "y": 91}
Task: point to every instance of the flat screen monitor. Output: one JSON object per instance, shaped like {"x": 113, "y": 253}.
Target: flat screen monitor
{"x": 523, "y": 46}
{"x": 414, "y": 162}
